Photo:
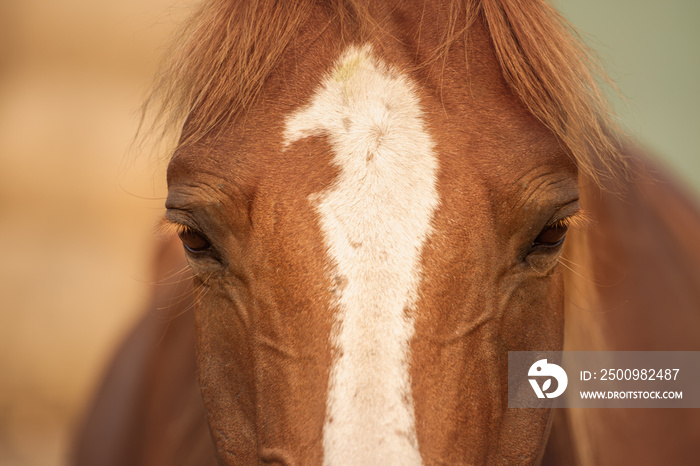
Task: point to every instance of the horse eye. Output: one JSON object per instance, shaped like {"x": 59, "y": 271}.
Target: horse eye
{"x": 552, "y": 236}
{"x": 193, "y": 241}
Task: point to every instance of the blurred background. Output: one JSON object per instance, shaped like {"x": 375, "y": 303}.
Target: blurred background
{"x": 77, "y": 206}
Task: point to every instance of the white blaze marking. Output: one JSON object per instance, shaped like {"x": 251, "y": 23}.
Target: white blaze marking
{"x": 375, "y": 219}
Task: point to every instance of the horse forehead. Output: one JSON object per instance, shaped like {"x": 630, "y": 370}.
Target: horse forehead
{"x": 466, "y": 105}
{"x": 467, "y": 108}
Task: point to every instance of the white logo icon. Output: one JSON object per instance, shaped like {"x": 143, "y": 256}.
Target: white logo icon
{"x": 543, "y": 369}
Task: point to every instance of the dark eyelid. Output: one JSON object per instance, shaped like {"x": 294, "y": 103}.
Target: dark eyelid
{"x": 180, "y": 218}
{"x": 181, "y": 224}
{"x": 566, "y": 212}
{"x": 179, "y": 201}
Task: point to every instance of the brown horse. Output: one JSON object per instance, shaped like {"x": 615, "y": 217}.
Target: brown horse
{"x": 373, "y": 198}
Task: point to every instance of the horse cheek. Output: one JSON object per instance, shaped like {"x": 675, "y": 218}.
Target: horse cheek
{"x": 225, "y": 367}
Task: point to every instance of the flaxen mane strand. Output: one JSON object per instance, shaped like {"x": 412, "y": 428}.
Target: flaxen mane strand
{"x": 220, "y": 60}
{"x": 555, "y": 77}
{"x": 217, "y": 64}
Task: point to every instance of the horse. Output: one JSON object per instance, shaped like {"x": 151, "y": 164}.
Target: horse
{"x": 377, "y": 201}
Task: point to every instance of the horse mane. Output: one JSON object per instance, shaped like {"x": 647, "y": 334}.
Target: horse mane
{"x": 218, "y": 63}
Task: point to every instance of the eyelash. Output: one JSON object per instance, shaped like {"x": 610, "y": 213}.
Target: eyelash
{"x": 564, "y": 222}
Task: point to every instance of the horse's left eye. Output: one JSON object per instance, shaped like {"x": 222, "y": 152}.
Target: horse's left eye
{"x": 193, "y": 241}
{"x": 552, "y": 235}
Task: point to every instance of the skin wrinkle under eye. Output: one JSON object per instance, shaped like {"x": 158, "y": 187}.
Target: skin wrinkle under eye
{"x": 375, "y": 219}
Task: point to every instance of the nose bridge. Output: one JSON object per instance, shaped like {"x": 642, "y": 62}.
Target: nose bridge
{"x": 375, "y": 218}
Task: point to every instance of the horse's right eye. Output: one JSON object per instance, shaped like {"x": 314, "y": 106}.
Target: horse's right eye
{"x": 193, "y": 241}
{"x": 553, "y": 235}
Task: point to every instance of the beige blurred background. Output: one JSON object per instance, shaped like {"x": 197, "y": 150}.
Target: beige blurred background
{"x": 77, "y": 208}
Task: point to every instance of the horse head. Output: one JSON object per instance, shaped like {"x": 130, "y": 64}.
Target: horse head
{"x": 374, "y": 211}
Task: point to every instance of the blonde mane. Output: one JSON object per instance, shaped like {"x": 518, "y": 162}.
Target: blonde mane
{"x": 220, "y": 60}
